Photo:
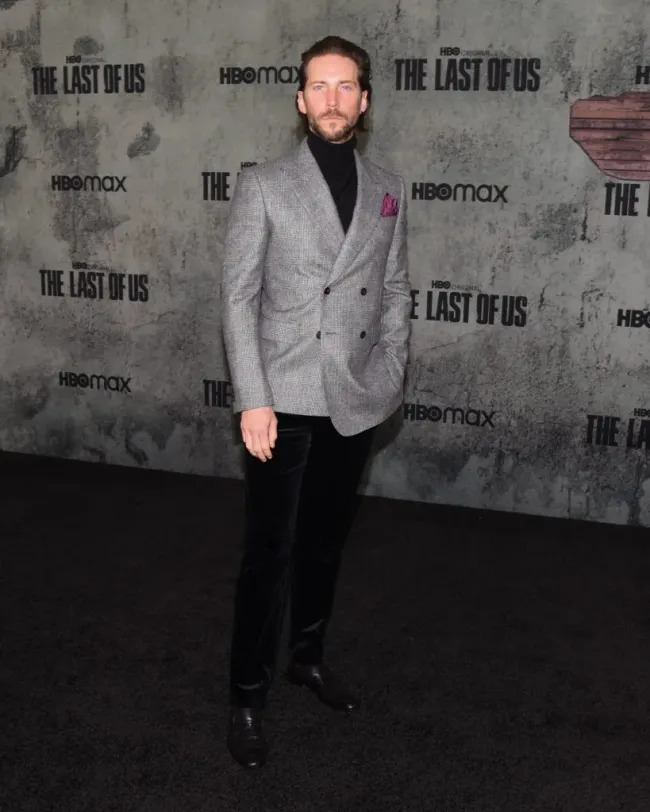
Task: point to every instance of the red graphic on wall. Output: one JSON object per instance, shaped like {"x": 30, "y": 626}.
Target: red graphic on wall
{"x": 615, "y": 133}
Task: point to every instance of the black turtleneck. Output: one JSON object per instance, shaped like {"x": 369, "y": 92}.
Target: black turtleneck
{"x": 336, "y": 162}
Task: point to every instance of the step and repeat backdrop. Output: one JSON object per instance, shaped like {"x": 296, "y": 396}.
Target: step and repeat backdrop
{"x": 522, "y": 131}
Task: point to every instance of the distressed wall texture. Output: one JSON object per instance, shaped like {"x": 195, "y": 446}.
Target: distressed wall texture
{"x": 522, "y": 130}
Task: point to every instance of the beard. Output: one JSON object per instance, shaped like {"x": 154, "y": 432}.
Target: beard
{"x": 333, "y": 130}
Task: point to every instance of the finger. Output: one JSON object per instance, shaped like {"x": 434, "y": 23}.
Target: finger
{"x": 257, "y": 447}
{"x": 248, "y": 441}
{"x": 266, "y": 448}
{"x": 265, "y": 445}
{"x": 263, "y": 438}
{"x": 273, "y": 433}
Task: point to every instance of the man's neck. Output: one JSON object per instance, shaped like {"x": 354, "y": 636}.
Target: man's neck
{"x": 325, "y": 146}
{"x": 327, "y": 140}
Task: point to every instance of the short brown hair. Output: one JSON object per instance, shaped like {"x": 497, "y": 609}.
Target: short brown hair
{"x": 341, "y": 47}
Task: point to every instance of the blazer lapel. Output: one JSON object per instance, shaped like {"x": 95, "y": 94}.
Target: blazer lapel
{"x": 311, "y": 188}
{"x": 313, "y": 191}
{"x": 365, "y": 219}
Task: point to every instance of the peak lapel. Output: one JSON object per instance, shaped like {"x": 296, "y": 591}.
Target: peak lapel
{"x": 365, "y": 219}
{"x": 313, "y": 192}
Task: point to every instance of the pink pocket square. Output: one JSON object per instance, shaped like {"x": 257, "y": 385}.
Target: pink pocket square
{"x": 389, "y": 206}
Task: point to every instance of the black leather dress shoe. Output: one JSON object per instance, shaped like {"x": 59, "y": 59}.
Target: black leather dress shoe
{"x": 246, "y": 740}
{"x": 329, "y": 688}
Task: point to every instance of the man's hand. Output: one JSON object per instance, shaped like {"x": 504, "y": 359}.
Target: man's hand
{"x": 259, "y": 429}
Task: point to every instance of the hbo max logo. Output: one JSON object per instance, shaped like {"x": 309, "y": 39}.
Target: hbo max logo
{"x": 286, "y": 75}
{"x": 85, "y": 183}
{"x": 453, "y": 414}
{"x": 83, "y": 381}
{"x": 633, "y": 318}
{"x": 485, "y": 193}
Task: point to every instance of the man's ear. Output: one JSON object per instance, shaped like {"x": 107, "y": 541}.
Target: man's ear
{"x": 364, "y": 101}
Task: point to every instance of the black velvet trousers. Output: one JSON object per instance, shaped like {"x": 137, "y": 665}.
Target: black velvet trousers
{"x": 299, "y": 508}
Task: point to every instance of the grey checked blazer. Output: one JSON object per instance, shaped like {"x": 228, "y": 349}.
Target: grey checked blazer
{"x": 316, "y": 321}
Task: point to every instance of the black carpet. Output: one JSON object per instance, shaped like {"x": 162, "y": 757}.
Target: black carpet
{"x": 504, "y": 661}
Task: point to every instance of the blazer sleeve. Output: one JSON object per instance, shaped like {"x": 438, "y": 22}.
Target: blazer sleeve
{"x": 240, "y": 290}
{"x": 396, "y": 301}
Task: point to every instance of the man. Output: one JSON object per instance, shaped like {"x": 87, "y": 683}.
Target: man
{"x": 315, "y": 310}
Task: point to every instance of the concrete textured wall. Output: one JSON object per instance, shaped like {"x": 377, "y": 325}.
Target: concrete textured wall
{"x": 529, "y": 375}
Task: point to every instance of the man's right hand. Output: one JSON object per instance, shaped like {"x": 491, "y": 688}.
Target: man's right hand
{"x": 259, "y": 430}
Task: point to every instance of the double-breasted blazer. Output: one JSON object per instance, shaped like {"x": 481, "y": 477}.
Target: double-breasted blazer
{"x": 316, "y": 321}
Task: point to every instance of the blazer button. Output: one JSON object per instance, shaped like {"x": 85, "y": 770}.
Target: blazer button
{"x": 318, "y": 334}
{"x": 363, "y": 334}
{"x": 363, "y": 291}
{"x": 327, "y": 290}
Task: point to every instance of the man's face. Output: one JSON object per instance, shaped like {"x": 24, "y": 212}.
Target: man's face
{"x": 332, "y": 99}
